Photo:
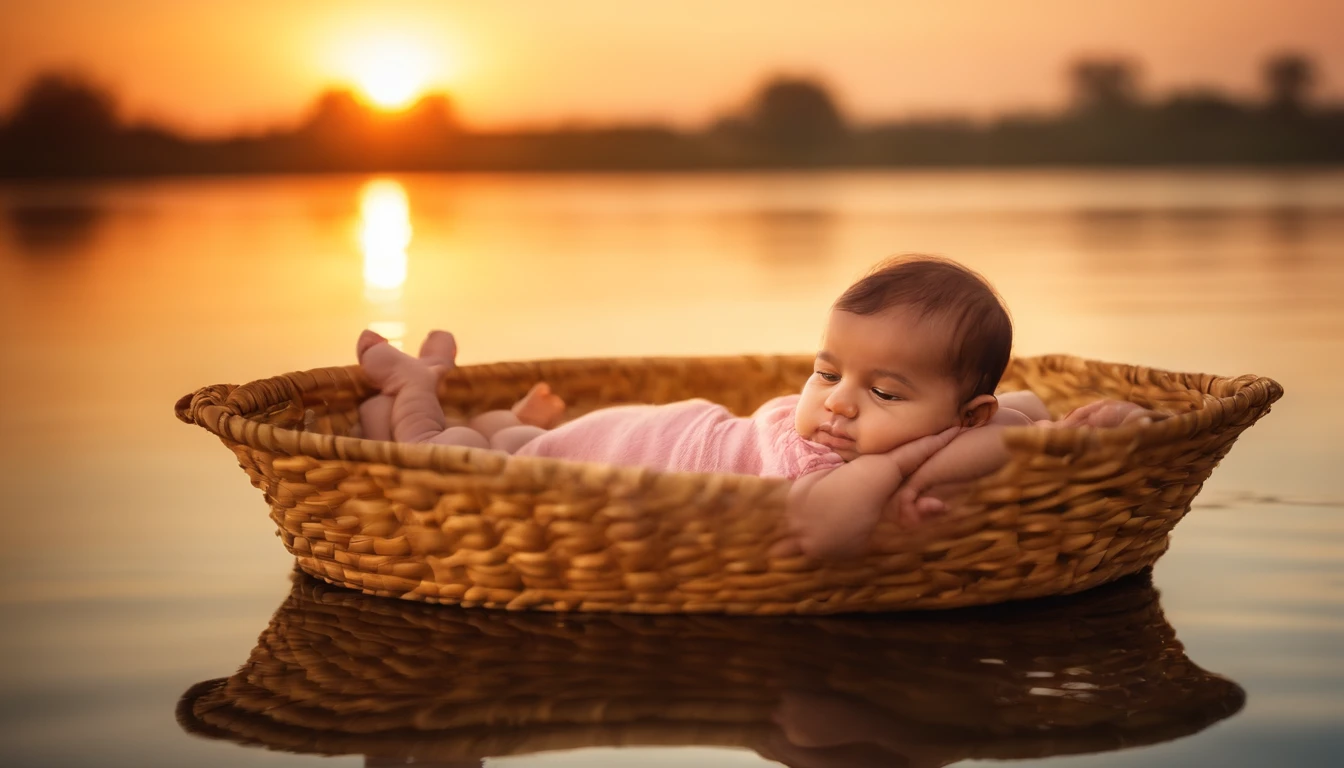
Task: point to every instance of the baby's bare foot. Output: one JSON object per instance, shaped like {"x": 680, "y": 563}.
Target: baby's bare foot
{"x": 387, "y": 367}
{"x": 540, "y": 407}
{"x": 439, "y": 349}
{"x": 366, "y": 340}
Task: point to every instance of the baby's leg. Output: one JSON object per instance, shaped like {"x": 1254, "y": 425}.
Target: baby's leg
{"x": 438, "y": 351}
{"x": 464, "y": 436}
{"x": 490, "y": 422}
{"x": 416, "y": 414}
{"x": 510, "y": 439}
{"x": 375, "y": 417}
{"x": 538, "y": 408}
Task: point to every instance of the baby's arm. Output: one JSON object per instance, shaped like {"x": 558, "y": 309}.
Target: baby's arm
{"x": 1026, "y": 403}
{"x": 980, "y": 451}
{"x": 975, "y": 453}
{"x": 832, "y": 513}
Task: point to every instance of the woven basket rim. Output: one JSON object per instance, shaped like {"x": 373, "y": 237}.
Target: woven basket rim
{"x": 225, "y": 410}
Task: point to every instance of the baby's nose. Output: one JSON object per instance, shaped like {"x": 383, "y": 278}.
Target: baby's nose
{"x": 837, "y": 403}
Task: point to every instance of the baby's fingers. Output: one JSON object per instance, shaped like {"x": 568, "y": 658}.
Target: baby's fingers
{"x": 1143, "y": 415}
{"x": 928, "y": 506}
{"x": 905, "y": 505}
{"x": 789, "y": 546}
{"x": 920, "y": 510}
{"x": 910, "y": 456}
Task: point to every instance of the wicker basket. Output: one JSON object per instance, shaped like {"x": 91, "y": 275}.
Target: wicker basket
{"x": 337, "y": 672}
{"x": 1072, "y": 509}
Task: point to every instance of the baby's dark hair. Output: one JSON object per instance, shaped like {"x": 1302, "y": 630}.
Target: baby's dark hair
{"x": 982, "y": 332}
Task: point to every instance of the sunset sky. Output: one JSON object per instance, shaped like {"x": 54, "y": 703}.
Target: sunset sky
{"x": 209, "y": 66}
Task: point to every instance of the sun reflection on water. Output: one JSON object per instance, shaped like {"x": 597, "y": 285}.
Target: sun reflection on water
{"x": 384, "y": 235}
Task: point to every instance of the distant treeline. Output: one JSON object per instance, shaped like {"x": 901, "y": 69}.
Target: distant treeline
{"x": 64, "y": 126}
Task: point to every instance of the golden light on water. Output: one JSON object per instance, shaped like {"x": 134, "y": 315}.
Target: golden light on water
{"x": 392, "y": 330}
{"x": 384, "y": 235}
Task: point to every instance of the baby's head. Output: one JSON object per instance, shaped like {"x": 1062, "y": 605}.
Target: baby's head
{"x": 915, "y": 347}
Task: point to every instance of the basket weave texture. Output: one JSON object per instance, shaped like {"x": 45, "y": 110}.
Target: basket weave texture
{"x": 337, "y": 672}
{"x": 1072, "y": 509}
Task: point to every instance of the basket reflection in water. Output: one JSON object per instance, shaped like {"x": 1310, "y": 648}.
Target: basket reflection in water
{"x": 1072, "y": 509}
{"x": 337, "y": 672}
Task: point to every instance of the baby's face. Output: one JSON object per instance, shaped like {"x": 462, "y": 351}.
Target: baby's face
{"x": 879, "y": 382}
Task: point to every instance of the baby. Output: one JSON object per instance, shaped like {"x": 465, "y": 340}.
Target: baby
{"x": 900, "y": 404}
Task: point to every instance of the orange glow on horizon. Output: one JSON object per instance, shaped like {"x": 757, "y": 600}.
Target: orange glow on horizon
{"x": 214, "y": 66}
{"x": 391, "y": 73}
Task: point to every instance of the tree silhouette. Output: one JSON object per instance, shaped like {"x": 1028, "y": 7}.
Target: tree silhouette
{"x": 63, "y": 109}
{"x": 434, "y": 112}
{"x": 1288, "y": 78}
{"x": 1104, "y": 85}
{"x": 796, "y": 116}
{"x": 66, "y": 125}
{"x": 337, "y": 115}
{"x": 342, "y": 131}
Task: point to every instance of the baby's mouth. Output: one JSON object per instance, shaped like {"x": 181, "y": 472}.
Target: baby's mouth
{"x": 832, "y": 438}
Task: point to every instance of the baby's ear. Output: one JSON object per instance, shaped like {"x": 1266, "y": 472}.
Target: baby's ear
{"x": 979, "y": 410}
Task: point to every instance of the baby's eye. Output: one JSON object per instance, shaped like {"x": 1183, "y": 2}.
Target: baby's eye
{"x": 885, "y": 395}
{"x": 830, "y": 377}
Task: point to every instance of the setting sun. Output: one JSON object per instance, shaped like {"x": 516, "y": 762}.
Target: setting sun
{"x": 391, "y": 73}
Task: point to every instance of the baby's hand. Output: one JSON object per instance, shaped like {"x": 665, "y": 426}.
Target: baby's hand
{"x": 980, "y": 451}
{"x": 1109, "y": 413}
{"x": 832, "y": 513}
{"x": 911, "y": 456}
{"x": 975, "y": 453}
{"x": 914, "y": 505}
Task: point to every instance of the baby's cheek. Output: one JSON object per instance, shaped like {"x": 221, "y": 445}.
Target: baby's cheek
{"x": 801, "y": 424}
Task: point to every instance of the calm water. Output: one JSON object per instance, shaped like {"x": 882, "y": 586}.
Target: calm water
{"x": 140, "y": 562}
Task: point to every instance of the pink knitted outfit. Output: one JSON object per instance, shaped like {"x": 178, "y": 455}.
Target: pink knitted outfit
{"x": 690, "y": 436}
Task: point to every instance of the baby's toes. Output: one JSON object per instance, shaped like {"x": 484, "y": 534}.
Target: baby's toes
{"x": 554, "y": 410}
{"x": 439, "y": 348}
{"x": 366, "y": 341}
{"x": 540, "y": 407}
